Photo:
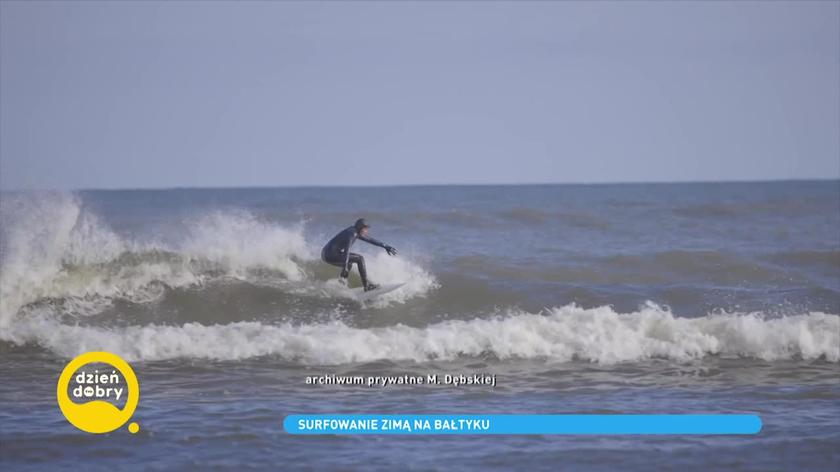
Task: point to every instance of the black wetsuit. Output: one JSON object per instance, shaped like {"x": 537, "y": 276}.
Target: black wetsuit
{"x": 337, "y": 251}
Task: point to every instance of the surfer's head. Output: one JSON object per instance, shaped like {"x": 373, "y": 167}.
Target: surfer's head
{"x": 361, "y": 226}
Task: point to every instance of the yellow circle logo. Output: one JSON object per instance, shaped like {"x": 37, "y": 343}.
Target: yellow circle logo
{"x": 99, "y": 416}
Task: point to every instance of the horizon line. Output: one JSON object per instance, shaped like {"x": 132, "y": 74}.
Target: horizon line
{"x": 464, "y": 184}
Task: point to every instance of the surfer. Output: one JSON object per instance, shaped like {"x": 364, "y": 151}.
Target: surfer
{"x": 337, "y": 251}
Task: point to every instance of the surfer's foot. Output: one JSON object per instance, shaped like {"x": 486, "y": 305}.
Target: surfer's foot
{"x": 370, "y": 287}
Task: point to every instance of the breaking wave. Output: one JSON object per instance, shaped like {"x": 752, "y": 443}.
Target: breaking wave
{"x": 55, "y": 252}
{"x": 566, "y": 333}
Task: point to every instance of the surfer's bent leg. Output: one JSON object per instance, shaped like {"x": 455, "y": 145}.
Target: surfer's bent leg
{"x": 360, "y": 263}
{"x": 334, "y": 259}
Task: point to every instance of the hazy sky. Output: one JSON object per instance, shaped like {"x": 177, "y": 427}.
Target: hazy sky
{"x": 163, "y": 94}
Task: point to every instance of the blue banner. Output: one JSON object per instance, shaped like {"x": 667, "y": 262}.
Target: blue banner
{"x": 522, "y": 424}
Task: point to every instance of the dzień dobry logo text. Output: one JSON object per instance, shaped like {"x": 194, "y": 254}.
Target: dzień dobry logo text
{"x": 95, "y": 389}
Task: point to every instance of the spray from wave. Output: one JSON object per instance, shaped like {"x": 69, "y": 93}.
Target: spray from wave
{"x": 53, "y": 249}
{"x": 57, "y": 258}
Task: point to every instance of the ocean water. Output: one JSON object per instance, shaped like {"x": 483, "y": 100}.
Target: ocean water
{"x": 642, "y": 298}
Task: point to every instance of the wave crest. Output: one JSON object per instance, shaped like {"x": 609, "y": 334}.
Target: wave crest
{"x": 56, "y": 252}
{"x": 566, "y": 333}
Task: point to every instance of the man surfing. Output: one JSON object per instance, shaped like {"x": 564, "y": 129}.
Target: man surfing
{"x": 337, "y": 251}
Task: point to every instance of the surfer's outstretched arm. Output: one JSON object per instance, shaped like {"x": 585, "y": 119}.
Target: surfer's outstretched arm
{"x": 389, "y": 249}
{"x": 373, "y": 241}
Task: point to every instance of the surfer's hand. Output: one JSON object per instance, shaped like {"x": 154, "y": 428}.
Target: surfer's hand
{"x": 390, "y": 250}
{"x": 344, "y": 273}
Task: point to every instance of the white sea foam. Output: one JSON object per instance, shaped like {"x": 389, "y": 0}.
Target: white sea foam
{"x": 387, "y": 269}
{"x": 237, "y": 241}
{"x": 566, "y": 333}
{"x": 41, "y": 234}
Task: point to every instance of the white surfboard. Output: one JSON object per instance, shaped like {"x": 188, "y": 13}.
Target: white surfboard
{"x": 361, "y": 295}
